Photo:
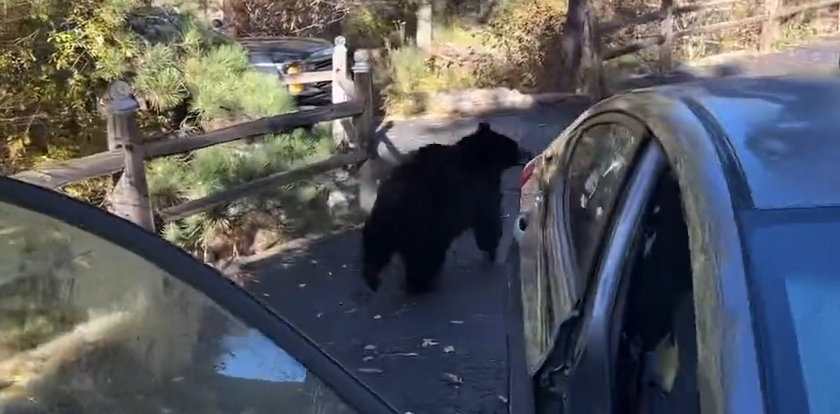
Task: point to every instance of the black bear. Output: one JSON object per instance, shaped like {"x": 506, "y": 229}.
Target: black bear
{"x": 437, "y": 194}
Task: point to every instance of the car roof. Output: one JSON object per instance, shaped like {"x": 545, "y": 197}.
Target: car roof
{"x": 784, "y": 133}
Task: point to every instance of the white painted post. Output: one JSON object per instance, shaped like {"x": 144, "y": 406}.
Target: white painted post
{"x": 341, "y": 136}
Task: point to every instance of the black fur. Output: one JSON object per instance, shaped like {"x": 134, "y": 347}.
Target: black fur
{"x": 437, "y": 194}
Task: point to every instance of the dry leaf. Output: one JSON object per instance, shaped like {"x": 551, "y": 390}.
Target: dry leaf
{"x": 452, "y": 379}
{"x": 449, "y": 349}
{"x": 370, "y": 370}
{"x": 428, "y": 342}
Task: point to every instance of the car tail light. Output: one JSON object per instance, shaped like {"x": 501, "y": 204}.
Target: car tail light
{"x": 528, "y": 171}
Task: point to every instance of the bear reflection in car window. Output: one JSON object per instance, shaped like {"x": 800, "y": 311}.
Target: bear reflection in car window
{"x": 89, "y": 327}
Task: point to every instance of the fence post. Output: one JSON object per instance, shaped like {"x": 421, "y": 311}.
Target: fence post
{"x": 130, "y": 199}
{"x": 363, "y": 80}
{"x": 341, "y": 135}
{"x": 838, "y": 17}
{"x": 591, "y": 69}
{"x": 666, "y": 49}
{"x": 572, "y": 45}
{"x": 363, "y": 125}
{"x": 770, "y": 25}
{"x": 425, "y": 27}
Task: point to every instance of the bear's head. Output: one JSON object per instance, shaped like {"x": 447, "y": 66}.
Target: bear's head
{"x": 488, "y": 149}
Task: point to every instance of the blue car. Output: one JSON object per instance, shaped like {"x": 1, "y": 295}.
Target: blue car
{"x": 677, "y": 252}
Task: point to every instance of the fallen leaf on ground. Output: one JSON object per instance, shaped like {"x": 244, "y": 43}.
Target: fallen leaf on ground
{"x": 428, "y": 342}
{"x": 457, "y": 322}
{"x": 367, "y": 358}
{"x": 449, "y": 349}
{"x": 377, "y": 317}
{"x": 370, "y": 347}
{"x": 452, "y": 379}
{"x": 405, "y": 354}
{"x": 302, "y": 285}
{"x": 370, "y": 370}
{"x": 503, "y": 399}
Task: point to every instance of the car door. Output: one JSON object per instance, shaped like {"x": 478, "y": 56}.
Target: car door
{"x": 98, "y": 315}
{"x": 585, "y": 182}
{"x": 589, "y": 357}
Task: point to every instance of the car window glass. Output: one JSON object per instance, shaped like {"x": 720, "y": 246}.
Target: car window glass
{"x": 580, "y": 204}
{"x": 89, "y": 327}
{"x": 597, "y": 170}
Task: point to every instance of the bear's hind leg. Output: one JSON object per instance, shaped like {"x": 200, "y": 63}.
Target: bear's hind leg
{"x": 487, "y": 230}
{"x": 422, "y": 268}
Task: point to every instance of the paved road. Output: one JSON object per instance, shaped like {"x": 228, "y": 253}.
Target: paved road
{"x": 403, "y": 347}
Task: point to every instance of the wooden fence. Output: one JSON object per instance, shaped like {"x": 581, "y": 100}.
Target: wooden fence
{"x": 351, "y": 98}
{"x": 587, "y": 34}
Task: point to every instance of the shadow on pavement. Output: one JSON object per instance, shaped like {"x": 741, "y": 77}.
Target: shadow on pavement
{"x": 403, "y": 347}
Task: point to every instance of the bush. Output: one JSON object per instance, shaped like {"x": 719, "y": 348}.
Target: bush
{"x": 525, "y": 38}
{"x": 174, "y": 180}
{"x": 59, "y": 57}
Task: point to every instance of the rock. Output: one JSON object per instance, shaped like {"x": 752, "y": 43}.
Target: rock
{"x": 338, "y": 202}
{"x": 265, "y": 239}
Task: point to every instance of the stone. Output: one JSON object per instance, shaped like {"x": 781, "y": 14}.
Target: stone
{"x": 338, "y": 202}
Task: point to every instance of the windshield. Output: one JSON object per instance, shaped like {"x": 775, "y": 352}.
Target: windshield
{"x": 794, "y": 258}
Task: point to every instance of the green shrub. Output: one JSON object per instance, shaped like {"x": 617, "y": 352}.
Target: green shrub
{"x": 174, "y": 180}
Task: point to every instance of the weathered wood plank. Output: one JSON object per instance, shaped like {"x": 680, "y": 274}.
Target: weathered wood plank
{"x": 71, "y": 171}
{"x": 260, "y": 185}
{"x": 788, "y": 11}
{"x": 633, "y": 47}
{"x": 719, "y": 26}
{"x": 309, "y": 77}
{"x": 659, "y": 39}
{"x": 620, "y": 23}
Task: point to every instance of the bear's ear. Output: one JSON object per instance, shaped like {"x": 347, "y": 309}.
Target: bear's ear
{"x": 483, "y": 127}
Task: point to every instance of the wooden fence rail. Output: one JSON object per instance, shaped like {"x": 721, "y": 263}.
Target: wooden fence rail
{"x": 773, "y": 11}
{"x": 127, "y": 153}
